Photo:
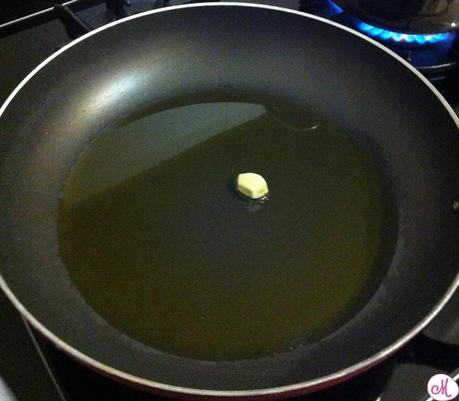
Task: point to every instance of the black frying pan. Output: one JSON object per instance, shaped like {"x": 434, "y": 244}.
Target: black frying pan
{"x": 62, "y": 105}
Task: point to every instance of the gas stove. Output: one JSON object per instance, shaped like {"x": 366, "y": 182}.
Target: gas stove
{"x": 32, "y": 368}
{"x": 434, "y": 53}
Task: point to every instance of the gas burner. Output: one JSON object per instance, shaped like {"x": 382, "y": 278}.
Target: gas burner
{"x": 405, "y": 38}
{"x": 431, "y": 53}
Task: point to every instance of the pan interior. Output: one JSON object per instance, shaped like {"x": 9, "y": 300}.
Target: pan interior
{"x": 159, "y": 244}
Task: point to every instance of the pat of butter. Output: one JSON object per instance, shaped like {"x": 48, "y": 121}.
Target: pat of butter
{"x": 252, "y": 185}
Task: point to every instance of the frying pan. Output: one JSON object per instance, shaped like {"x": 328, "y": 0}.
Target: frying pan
{"x": 150, "y": 59}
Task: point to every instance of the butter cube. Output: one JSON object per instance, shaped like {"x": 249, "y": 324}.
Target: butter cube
{"x": 252, "y": 185}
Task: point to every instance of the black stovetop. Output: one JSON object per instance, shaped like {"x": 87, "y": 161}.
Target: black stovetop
{"x": 35, "y": 370}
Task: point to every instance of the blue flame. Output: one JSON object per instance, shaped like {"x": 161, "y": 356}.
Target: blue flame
{"x": 335, "y": 8}
{"x": 404, "y": 38}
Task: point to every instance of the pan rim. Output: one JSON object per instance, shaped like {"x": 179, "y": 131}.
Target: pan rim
{"x": 310, "y": 384}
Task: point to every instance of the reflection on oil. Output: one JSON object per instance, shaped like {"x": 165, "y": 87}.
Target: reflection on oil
{"x": 149, "y": 141}
{"x": 161, "y": 246}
